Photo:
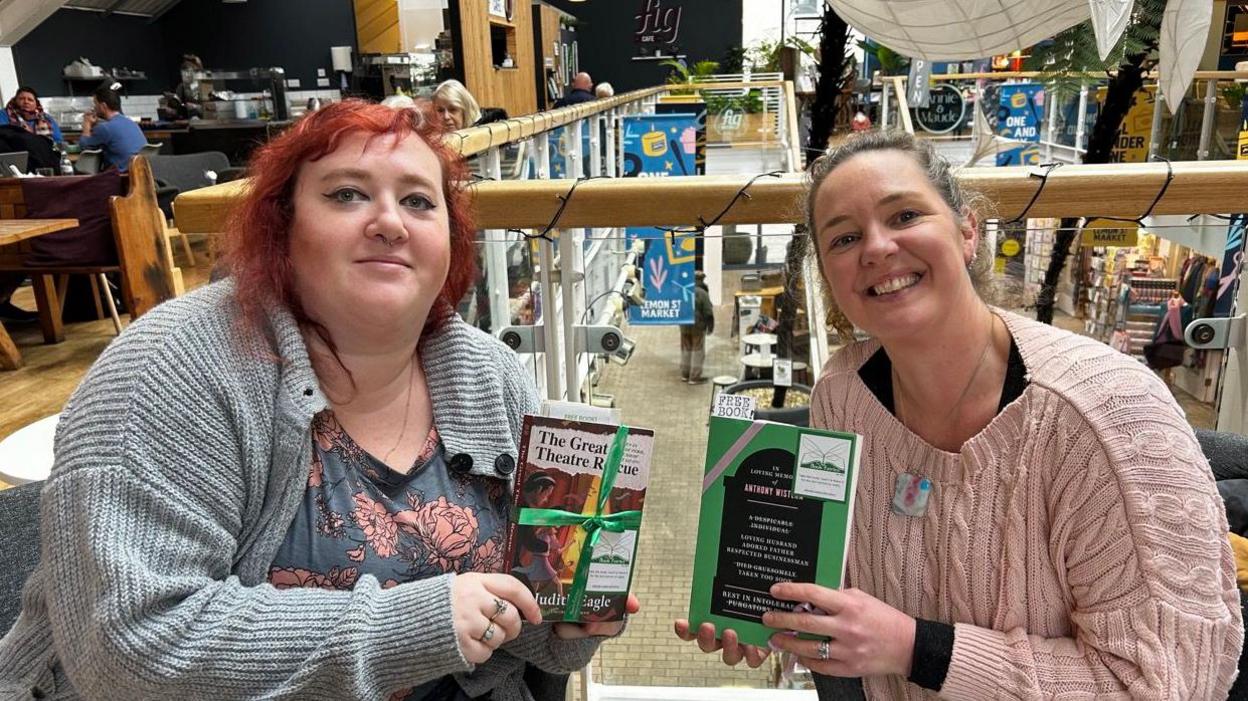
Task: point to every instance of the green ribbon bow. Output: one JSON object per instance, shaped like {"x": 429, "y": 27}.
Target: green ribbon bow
{"x": 593, "y": 524}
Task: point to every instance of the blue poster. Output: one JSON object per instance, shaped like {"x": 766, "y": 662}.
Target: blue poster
{"x": 1232, "y": 266}
{"x": 658, "y": 146}
{"x": 1018, "y": 118}
{"x": 667, "y": 275}
{"x": 560, "y": 141}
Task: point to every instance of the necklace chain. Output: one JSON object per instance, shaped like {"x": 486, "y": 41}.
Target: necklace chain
{"x": 992, "y": 325}
{"x": 411, "y": 380}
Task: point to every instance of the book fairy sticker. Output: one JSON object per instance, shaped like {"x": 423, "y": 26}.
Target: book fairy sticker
{"x": 821, "y": 467}
{"x": 782, "y": 372}
{"x": 612, "y": 562}
{"x": 734, "y": 406}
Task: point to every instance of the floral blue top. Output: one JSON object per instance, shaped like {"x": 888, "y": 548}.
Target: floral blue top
{"x": 361, "y": 518}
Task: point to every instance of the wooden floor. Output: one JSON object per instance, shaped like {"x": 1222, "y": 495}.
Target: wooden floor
{"x": 51, "y": 372}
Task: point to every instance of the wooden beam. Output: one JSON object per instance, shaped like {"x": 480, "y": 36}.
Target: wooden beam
{"x": 1083, "y": 190}
{"x": 1115, "y": 190}
{"x": 903, "y": 104}
{"x": 795, "y": 138}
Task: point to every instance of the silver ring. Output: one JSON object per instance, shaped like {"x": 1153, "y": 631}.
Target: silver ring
{"x": 385, "y": 240}
{"x": 488, "y": 635}
{"x": 500, "y": 607}
{"x": 823, "y": 649}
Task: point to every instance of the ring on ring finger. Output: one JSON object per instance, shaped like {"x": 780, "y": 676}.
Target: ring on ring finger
{"x": 488, "y": 635}
{"x": 822, "y": 650}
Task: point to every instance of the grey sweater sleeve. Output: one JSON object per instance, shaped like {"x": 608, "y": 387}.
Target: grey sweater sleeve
{"x": 141, "y": 522}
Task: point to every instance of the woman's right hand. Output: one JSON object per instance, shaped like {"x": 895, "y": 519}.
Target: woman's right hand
{"x": 477, "y": 598}
{"x": 734, "y": 651}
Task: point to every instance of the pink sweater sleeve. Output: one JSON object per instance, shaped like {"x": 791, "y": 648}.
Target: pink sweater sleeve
{"x": 1140, "y": 534}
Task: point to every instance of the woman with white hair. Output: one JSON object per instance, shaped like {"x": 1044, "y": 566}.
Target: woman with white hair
{"x": 455, "y": 105}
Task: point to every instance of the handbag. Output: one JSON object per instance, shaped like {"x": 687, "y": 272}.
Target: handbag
{"x": 1167, "y": 348}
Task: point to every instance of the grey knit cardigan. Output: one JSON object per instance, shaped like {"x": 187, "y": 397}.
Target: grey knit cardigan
{"x": 180, "y": 461}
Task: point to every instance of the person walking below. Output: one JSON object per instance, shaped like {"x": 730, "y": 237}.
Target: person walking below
{"x": 693, "y": 336}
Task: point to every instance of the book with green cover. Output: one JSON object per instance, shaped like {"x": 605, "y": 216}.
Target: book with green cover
{"x": 777, "y": 506}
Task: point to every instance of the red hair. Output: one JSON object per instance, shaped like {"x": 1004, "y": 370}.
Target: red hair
{"x": 257, "y": 234}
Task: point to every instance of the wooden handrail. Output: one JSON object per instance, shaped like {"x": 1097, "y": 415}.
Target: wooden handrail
{"x": 474, "y": 140}
{"x": 795, "y": 138}
{"x": 1199, "y": 187}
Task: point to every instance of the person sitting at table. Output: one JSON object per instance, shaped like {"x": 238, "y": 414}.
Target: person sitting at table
{"x": 294, "y": 482}
{"x": 25, "y": 111}
{"x": 106, "y": 128}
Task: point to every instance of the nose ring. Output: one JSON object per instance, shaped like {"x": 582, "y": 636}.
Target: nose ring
{"x": 382, "y": 237}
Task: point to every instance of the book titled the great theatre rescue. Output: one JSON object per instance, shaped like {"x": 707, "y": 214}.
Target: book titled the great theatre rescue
{"x": 561, "y": 469}
{"x": 777, "y": 503}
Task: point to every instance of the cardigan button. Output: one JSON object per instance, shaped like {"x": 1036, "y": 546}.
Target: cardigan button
{"x": 504, "y": 464}
{"x": 461, "y": 463}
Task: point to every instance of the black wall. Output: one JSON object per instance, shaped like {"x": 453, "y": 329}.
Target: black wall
{"x": 293, "y": 34}
{"x": 112, "y": 41}
{"x": 605, "y": 33}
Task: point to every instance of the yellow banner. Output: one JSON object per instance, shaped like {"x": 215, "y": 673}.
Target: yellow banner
{"x": 1243, "y": 146}
{"x": 1137, "y": 126}
{"x": 1119, "y": 236}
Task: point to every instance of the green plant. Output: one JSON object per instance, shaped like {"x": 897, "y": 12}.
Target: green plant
{"x": 764, "y": 57}
{"x": 1233, "y": 94}
{"x": 682, "y": 74}
{"x": 751, "y": 103}
{"x": 1074, "y": 52}
{"x": 891, "y": 62}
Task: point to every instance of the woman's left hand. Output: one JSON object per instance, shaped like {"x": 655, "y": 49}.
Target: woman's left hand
{"x": 866, "y": 637}
{"x": 573, "y": 631}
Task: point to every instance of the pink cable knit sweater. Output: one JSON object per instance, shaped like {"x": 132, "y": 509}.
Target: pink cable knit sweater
{"x": 1077, "y": 543}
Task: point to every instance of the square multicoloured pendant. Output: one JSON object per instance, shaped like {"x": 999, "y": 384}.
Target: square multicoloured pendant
{"x": 910, "y": 495}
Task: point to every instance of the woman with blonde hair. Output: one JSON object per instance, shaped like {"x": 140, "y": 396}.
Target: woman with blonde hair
{"x": 1034, "y": 517}
{"x": 455, "y": 105}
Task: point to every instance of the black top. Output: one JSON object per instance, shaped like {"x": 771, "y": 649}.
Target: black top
{"x": 933, "y": 640}
{"x": 575, "y": 97}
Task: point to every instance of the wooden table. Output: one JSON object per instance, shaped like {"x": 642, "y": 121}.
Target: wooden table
{"x": 12, "y": 231}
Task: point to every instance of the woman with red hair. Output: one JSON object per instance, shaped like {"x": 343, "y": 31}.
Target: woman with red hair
{"x": 293, "y": 482}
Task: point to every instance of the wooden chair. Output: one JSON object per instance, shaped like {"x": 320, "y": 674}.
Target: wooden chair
{"x": 144, "y": 258}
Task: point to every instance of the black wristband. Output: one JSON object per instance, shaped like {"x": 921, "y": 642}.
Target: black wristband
{"x": 933, "y": 650}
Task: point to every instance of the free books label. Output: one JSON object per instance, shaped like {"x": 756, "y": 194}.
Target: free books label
{"x": 612, "y": 562}
{"x": 822, "y": 467}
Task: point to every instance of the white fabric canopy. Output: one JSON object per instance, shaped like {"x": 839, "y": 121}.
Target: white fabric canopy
{"x": 957, "y": 30}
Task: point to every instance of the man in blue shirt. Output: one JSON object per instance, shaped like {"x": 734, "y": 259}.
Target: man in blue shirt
{"x": 108, "y": 129}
